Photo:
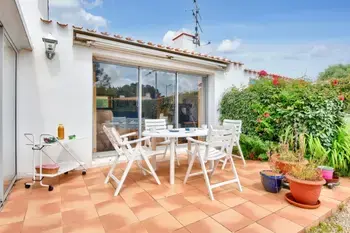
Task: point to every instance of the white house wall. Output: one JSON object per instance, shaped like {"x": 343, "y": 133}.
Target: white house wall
{"x": 57, "y": 91}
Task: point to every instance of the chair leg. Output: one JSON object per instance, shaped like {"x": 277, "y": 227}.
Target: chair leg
{"x": 236, "y": 174}
{"x": 224, "y": 164}
{"x": 177, "y": 159}
{"x": 125, "y": 173}
{"x": 190, "y": 165}
{"x": 141, "y": 168}
{"x": 241, "y": 154}
{"x": 115, "y": 162}
{"x": 214, "y": 168}
{"x": 150, "y": 167}
{"x": 206, "y": 178}
{"x": 166, "y": 149}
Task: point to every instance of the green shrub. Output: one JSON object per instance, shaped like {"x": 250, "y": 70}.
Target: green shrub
{"x": 254, "y": 148}
{"x": 267, "y": 109}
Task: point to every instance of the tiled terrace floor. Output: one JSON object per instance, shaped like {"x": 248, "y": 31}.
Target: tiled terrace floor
{"x": 84, "y": 204}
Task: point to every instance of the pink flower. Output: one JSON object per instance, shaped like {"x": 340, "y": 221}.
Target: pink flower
{"x": 266, "y": 114}
{"x": 341, "y": 97}
{"x": 262, "y": 73}
{"x": 335, "y": 82}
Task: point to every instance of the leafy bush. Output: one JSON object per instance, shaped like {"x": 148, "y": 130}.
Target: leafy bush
{"x": 255, "y": 148}
{"x": 268, "y": 107}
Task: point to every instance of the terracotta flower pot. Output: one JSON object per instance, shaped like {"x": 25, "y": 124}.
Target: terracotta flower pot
{"x": 284, "y": 166}
{"x": 304, "y": 191}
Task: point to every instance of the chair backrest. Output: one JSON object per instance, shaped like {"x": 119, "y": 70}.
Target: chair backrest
{"x": 236, "y": 124}
{"x": 220, "y": 138}
{"x": 158, "y": 124}
{"x": 114, "y": 138}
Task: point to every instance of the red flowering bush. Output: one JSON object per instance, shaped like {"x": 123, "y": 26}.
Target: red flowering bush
{"x": 262, "y": 73}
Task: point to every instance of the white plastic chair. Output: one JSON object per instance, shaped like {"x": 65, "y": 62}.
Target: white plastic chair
{"x": 208, "y": 152}
{"x": 237, "y": 130}
{"x": 137, "y": 153}
{"x": 159, "y": 124}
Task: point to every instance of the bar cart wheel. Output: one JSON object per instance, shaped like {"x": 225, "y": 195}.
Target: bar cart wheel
{"x": 83, "y": 173}
{"x": 27, "y": 186}
{"x": 50, "y": 188}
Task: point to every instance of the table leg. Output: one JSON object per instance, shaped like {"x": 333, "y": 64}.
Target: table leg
{"x": 189, "y": 149}
{"x": 172, "y": 160}
{"x": 154, "y": 148}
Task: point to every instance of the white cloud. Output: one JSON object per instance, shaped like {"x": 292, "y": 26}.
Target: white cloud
{"x": 168, "y": 37}
{"x": 229, "y": 45}
{"x": 74, "y": 12}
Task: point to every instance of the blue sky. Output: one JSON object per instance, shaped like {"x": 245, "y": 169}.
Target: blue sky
{"x": 292, "y": 38}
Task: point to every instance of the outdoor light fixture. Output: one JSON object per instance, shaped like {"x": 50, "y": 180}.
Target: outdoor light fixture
{"x": 50, "y": 46}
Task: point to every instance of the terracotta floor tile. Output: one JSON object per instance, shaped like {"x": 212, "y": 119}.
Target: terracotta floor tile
{"x": 173, "y": 202}
{"x": 101, "y": 194}
{"x": 148, "y": 210}
{"x": 148, "y": 184}
{"x": 207, "y": 225}
{"x": 56, "y": 230}
{"x": 321, "y": 212}
{"x": 229, "y": 198}
{"x": 17, "y": 206}
{"x": 42, "y": 223}
{"x": 164, "y": 222}
{"x": 121, "y": 217}
{"x": 71, "y": 191}
{"x": 297, "y": 216}
{"x": 254, "y": 228}
{"x": 161, "y": 192}
{"x": 188, "y": 214}
{"x": 135, "y": 199}
{"x": 232, "y": 220}
{"x": 11, "y": 228}
{"x": 110, "y": 206}
{"x": 182, "y": 230}
{"x": 95, "y": 180}
{"x": 194, "y": 196}
{"x": 211, "y": 207}
{"x": 7, "y": 217}
{"x": 278, "y": 224}
{"x": 270, "y": 204}
{"x": 74, "y": 201}
{"x": 37, "y": 210}
{"x": 130, "y": 188}
{"x": 46, "y": 197}
{"x": 339, "y": 193}
{"x": 90, "y": 226}
{"x": 132, "y": 228}
{"x": 252, "y": 211}
{"x": 79, "y": 214}
{"x": 330, "y": 203}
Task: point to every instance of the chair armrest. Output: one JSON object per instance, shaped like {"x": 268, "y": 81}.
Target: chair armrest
{"x": 128, "y": 135}
{"x": 197, "y": 141}
{"x": 135, "y": 141}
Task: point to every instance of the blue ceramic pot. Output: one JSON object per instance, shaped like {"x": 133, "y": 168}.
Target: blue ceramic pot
{"x": 272, "y": 184}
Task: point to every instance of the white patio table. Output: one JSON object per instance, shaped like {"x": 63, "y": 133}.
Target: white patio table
{"x": 172, "y": 136}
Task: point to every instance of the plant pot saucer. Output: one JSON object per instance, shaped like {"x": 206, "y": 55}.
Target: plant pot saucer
{"x": 290, "y": 199}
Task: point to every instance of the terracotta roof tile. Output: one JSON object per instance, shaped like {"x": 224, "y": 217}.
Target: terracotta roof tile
{"x": 47, "y": 21}
{"x": 193, "y": 53}
{"x": 76, "y": 27}
{"x": 62, "y": 24}
{"x": 118, "y": 36}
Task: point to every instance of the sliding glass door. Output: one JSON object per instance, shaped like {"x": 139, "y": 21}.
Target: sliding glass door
{"x": 8, "y": 166}
{"x": 126, "y": 96}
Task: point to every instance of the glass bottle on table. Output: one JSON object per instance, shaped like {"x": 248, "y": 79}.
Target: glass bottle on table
{"x": 60, "y": 132}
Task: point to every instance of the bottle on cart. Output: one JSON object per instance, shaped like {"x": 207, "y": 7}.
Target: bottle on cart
{"x": 60, "y": 132}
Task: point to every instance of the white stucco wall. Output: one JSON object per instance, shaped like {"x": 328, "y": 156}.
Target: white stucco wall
{"x": 53, "y": 91}
{"x": 57, "y": 91}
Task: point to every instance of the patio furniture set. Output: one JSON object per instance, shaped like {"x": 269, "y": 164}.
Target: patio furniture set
{"x": 215, "y": 149}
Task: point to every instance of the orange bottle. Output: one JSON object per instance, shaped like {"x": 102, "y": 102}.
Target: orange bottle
{"x": 60, "y": 132}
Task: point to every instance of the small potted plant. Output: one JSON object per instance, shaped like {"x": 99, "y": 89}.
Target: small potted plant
{"x": 305, "y": 182}
{"x": 271, "y": 179}
{"x": 288, "y": 158}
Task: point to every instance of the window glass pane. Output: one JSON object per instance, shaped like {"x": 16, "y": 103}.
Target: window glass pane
{"x": 116, "y": 101}
{"x": 191, "y": 101}
{"x": 158, "y": 95}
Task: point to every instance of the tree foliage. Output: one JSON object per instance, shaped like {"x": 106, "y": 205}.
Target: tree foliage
{"x": 339, "y": 71}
